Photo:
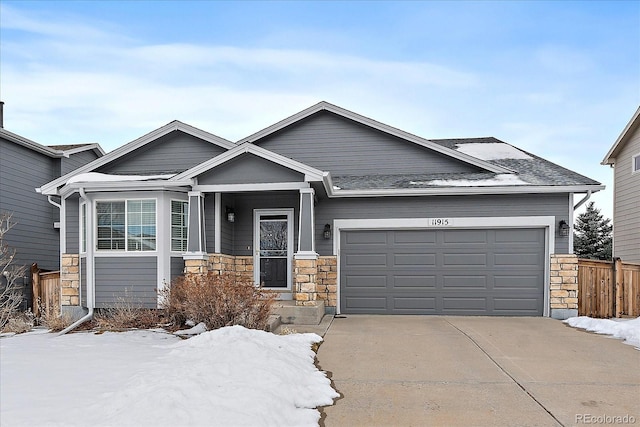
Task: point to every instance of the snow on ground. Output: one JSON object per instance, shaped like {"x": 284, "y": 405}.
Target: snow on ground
{"x": 228, "y": 377}
{"x": 628, "y": 330}
{"x": 492, "y": 151}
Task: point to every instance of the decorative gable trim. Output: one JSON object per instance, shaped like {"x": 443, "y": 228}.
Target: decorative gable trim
{"x": 310, "y": 174}
{"x": 633, "y": 124}
{"x": 51, "y": 187}
{"x": 325, "y": 106}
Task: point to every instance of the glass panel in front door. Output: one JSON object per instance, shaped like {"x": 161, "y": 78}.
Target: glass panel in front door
{"x": 273, "y": 251}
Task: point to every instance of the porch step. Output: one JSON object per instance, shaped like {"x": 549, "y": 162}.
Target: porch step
{"x": 273, "y": 323}
{"x": 292, "y": 314}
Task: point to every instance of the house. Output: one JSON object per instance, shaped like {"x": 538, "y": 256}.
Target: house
{"x": 328, "y": 208}
{"x": 25, "y": 165}
{"x": 624, "y": 157}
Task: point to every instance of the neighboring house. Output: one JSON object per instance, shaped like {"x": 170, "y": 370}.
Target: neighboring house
{"x": 25, "y": 165}
{"x": 624, "y": 157}
{"x": 325, "y": 207}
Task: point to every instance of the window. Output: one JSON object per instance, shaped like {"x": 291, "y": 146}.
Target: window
{"x": 83, "y": 227}
{"x": 636, "y": 163}
{"x": 127, "y": 225}
{"x": 179, "y": 225}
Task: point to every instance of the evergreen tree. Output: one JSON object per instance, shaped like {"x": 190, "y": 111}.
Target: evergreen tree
{"x": 592, "y": 238}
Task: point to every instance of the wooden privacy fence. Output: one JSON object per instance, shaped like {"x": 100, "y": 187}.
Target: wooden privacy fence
{"x": 608, "y": 288}
{"x": 46, "y": 291}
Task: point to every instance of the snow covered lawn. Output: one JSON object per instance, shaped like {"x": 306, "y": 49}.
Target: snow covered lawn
{"x": 626, "y": 329}
{"x": 228, "y": 377}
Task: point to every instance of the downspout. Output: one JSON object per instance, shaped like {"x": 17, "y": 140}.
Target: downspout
{"x": 581, "y": 202}
{"x": 90, "y": 292}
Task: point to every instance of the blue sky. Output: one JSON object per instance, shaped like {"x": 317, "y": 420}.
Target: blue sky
{"x": 558, "y": 79}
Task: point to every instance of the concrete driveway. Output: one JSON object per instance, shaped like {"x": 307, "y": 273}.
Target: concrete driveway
{"x": 476, "y": 371}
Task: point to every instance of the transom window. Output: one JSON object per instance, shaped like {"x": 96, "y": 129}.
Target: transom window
{"x": 126, "y": 225}
{"x": 179, "y": 225}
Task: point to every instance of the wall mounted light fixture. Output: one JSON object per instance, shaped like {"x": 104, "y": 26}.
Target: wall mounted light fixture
{"x": 327, "y": 231}
{"x": 563, "y": 228}
{"x": 231, "y": 215}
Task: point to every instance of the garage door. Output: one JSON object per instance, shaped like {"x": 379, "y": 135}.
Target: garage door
{"x": 458, "y": 272}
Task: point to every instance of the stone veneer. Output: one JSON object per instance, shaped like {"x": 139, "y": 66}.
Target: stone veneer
{"x": 327, "y": 280}
{"x": 304, "y": 281}
{"x": 563, "y": 286}
{"x": 70, "y": 280}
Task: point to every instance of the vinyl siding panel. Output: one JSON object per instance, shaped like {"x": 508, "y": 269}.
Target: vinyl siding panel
{"x": 177, "y": 267}
{"x": 440, "y": 206}
{"x": 210, "y": 222}
{"x": 171, "y": 153}
{"x": 126, "y": 278}
{"x": 83, "y": 281}
{"x": 626, "y": 207}
{"x": 34, "y": 237}
{"x": 249, "y": 169}
{"x": 72, "y": 224}
{"x": 226, "y": 228}
{"x": 343, "y": 147}
{"x": 76, "y": 160}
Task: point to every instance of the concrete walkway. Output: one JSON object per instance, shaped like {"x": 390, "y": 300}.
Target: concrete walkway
{"x": 476, "y": 371}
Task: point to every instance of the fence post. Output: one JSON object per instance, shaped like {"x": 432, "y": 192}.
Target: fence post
{"x": 35, "y": 287}
{"x": 619, "y": 278}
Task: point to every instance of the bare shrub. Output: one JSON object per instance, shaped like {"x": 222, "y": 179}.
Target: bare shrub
{"x": 20, "y": 322}
{"x": 52, "y": 319}
{"x": 126, "y": 314}
{"x": 217, "y": 301}
{"x": 10, "y": 293}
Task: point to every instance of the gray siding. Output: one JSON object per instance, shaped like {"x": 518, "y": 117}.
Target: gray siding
{"x": 245, "y": 204}
{"x": 126, "y": 278}
{"x": 72, "y": 224}
{"x": 226, "y": 229}
{"x": 343, "y": 147}
{"x": 177, "y": 267}
{"x": 76, "y": 160}
{"x": 249, "y": 169}
{"x": 83, "y": 281}
{"x": 626, "y": 203}
{"x": 34, "y": 237}
{"x": 172, "y": 153}
{"x": 210, "y": 221}
{"x": 440, "y": 206}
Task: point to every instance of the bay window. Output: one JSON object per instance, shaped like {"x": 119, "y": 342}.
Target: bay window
{"x": 126, "y": 225}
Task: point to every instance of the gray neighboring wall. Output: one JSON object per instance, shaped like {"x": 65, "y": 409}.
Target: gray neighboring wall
{"x": 34, "y": 237}
{"x": 626, "y": 200}
{"x": 329, "y": 142}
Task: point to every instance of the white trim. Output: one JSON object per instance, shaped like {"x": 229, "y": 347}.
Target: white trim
{"x": 546, "y": 222}
{"x": 609, "y": 158}
{"x": 217, "y": 239}
{"x": 82, "y": 227}
{"x": 313, "y": 219}
{"x": 195, "y": 255}
{"x": 633, "y": 164}
{"x": 257, "y": 213}
{"x": 306, "y": 255}
{"x": 271, "y": 186}
{"x": 448, "y": 191}
{"x": 63, "y": 227}
{"x": 571, "y": 216}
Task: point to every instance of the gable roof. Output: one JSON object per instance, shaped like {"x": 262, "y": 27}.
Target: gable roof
{"x": 54, "y": 151}
{"x": 325, "y": 106}
{"x": 310, "y": 173}
{"x": 633, "y": 124}
{"x": 51, "y": 187}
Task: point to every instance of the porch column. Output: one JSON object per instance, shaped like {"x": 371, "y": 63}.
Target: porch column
{"x": 305, "y": 260}
{"x": 196, "y": 257}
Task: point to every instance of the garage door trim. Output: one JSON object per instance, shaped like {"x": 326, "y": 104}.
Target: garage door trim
{"x": 545, "y": 222}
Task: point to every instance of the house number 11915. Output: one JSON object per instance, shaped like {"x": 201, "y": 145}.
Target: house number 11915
{"x": 439, "y": 221}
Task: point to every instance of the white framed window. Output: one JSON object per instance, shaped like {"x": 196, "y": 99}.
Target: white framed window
{"x": 635, "y": 163}
{"x": 83, "y": 228}
{"x": 179, "y": 225}
{"x": 126, "y": 225}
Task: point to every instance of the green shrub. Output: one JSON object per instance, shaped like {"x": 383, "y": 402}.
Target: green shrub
{"x": 217, "y": 301}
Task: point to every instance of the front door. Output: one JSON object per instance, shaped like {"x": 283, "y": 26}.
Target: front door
{"x": 273, "y": 243}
